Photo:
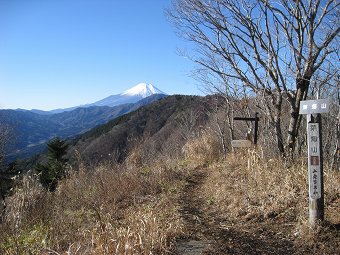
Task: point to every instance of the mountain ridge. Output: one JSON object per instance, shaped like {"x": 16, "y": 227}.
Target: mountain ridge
{"x": 30, "y": 131}
{"x": 157, "y": 126}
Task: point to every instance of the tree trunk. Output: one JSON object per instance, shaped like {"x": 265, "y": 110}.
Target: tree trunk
{"x": 295, "y": 118}
{"x": 279, "y": 136}
{"x": 277, "y": 102}
{"x": 336, "y": 152}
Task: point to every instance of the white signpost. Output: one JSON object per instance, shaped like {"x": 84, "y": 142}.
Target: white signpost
{"x": 315, "y": 160}
{"x": 314, "y": 173}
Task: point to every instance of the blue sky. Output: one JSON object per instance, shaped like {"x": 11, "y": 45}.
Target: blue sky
{"x": 61, "y": 53}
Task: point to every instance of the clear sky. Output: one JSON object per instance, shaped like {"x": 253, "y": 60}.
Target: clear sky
{"x": 62, "y": 53}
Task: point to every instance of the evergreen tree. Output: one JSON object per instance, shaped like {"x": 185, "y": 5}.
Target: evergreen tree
{"x": 56, "y": 167}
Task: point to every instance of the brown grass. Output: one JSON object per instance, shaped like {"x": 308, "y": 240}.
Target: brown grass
{"x": 204, "y": 149}
{"x": 249, "y": 188}
{"x": 132, "y": 208}
{"x": 107, "y": 211}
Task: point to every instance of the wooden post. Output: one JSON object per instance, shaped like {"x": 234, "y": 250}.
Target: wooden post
{"x": 315, "y": 157}
{"x": 315, "y": 169}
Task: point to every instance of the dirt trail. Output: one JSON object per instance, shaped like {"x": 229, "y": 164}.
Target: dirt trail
{"x": 208, "y": 233}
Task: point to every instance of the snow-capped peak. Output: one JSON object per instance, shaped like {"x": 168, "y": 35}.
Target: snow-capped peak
{"x": 143, "y": 90}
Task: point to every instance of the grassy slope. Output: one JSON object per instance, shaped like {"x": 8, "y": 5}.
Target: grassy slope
{"x": 244, "y": 204}
{"x": 112, "y": 210}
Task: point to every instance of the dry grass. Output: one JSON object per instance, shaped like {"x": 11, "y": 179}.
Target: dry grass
{"x": 110, "y": 210}
{"x": 132, "y": 208}
{"x": 249, "y": 188}
{"x": 203, "y": 149}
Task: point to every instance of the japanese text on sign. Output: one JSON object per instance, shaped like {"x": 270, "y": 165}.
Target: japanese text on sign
{"x": 314, "y": 161}
{"x": 314, "y": 106}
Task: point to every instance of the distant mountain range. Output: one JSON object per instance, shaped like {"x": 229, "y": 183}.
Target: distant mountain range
{"x": 130, "y": 96}
{"x": 31, "y": 129}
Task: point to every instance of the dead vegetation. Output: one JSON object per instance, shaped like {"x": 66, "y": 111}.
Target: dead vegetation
{"x": 109, "y": 210}
{"x": 264, "y": 196}
{"x": 245, "y": 203}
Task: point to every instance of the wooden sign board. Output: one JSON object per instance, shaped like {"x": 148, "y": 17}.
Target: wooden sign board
{"x": 314, "y": 173}
{"x": 314, "y": 106}
{"x": 241, "y": 143}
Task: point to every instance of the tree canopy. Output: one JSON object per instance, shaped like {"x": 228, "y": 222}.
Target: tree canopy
{"x": 272, "y": 49}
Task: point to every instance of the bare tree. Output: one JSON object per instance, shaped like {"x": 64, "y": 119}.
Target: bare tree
{"x": 273, "y": 48}
{"x": 331, "y": 120}
{"x": 187, "y": 122}
{"x": 335, "y": 160}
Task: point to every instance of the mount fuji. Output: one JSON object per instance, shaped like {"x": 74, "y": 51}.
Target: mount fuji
{"x": 130, "y": 96}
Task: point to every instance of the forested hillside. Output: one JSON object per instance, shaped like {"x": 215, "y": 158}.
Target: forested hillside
{"x": 157, "y": 129}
